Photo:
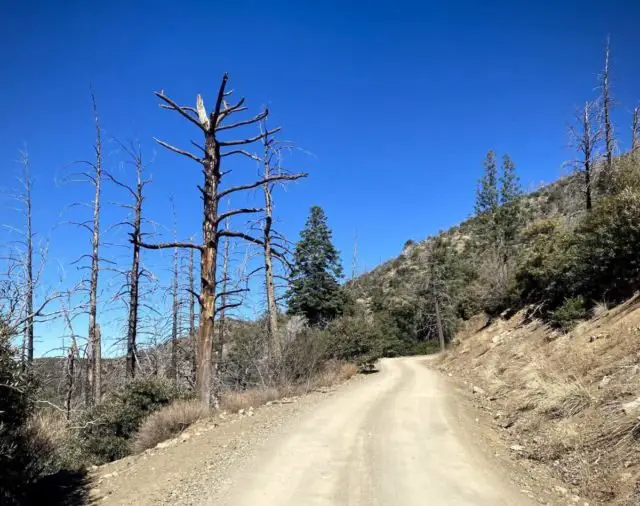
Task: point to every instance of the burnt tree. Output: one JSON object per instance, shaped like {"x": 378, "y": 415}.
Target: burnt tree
{"x": 585, "y": 139}
{"x": 272, "y": 164}
{"x": 94, "y": 362}
{"x": 635, "y": 131}
{"x": 606, "y": 107}
{"x": 209, "y": 157}
{"x": 135, "y": 272}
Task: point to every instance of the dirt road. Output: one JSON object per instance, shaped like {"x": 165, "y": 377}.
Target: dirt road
{"x": 394, "y": 439}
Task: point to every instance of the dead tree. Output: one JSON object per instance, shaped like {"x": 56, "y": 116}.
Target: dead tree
{"x": 175, "y": 305}
{"x": 192, "y": 313}
{"x": 95, "y": 358}
{"x": 585, "y": 140}
{"x": 209, "y": 157}
{"x": 222, "y": 315}
{"x": 272, "y": 163}
{"x": 635, "y": 131}
{"x": 607, "y": 126}
{"x": 24, "y": 198}
{"x": 135, "y": 272}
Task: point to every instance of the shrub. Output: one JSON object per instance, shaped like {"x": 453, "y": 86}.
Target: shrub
{"x": 110, "y": 425}
{"x": 168, "y": 422}
{"x": 568, "y": 315}
{"x": 233, "y": 401}
{"x": 23, "y": 455}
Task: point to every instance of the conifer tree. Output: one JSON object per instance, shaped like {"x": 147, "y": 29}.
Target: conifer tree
{"x": 487, "y": 195}
{"x": 315, "y": 291}
{"x": 510, "y": 192}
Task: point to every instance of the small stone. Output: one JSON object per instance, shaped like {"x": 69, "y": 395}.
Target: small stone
{"x": 560, "y": 490}
{"x": 575, "y": 498}
{"x": 632, "y": 406}
{"x": 477, "y": 390}
{"x": 517, "y": 448}
{"x": 241, "y": 412}
{"x": 604, "y": 382}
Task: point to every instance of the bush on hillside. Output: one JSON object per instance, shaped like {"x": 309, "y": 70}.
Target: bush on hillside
{"x": 108, "y": 427}
{"x": 168, "y": 422}
{"x": 569, "y": 313}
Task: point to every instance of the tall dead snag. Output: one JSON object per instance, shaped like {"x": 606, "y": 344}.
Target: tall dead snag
{"x": 175, "y": 305}
{"x": 272, "y": 162}
{"x": 585, "y": 139}
{"x": 222, "y": 314}
{"x": 25, "y": 199}
{"x": 95, "y": 359}
{"x": 607, "y": 126}
{"x": 135, "y": 273}
{"x": 635, "y": 131}
{"x": 209, "y": 157}
{"x": 192, "y": 313}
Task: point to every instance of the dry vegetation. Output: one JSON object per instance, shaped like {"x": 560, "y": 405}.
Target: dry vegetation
{"x": 568, "y": 399}
{"x": 175, "y": 418}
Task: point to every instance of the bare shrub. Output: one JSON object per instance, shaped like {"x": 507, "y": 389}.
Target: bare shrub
{"x": 599, "y": 309}
{"x": 167, "y": 423}
{"x": 335, "y": 372}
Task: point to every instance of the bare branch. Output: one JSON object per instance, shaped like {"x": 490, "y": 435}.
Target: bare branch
{"x": 178, "y": 150}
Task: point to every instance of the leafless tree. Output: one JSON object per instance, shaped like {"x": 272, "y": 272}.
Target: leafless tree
{"x": 635, "y": 130}
{"x": 226, "y": 253}
{"x": 272, "y": 162}
{"x": 209, "y": 157}
{"x": 584, "y": 139}
{"x": 95, "y": 342}
{"x": 606, "y": 105}
{"x": 24, "y": 158}
{"x": 136, "y": 272}
{"x": 175, "y": 303}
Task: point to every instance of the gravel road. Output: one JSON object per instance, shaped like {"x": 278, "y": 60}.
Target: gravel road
{"x": 394, "y": 438}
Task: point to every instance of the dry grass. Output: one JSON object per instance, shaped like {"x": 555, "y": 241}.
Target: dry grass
{"x": 234, "y": 401}
{"x": 167, "y": 423}
{"x": 565, "y": 400}
{"x": 562, "y": 394}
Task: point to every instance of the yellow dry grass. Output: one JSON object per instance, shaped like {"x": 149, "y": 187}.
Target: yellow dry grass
{"x": 563, "y": 394}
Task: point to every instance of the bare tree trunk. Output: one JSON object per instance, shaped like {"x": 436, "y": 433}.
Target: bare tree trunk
{"x": 635, "y": 131}
{"x": 174, "y": 320}
{"x": 223, "y": 298}
{"x": 607, "y": 103}
{"x": 585, "y": 140}
{"x": 29, "y": 258}
{"x": 94, "y": 333}
{"x": 209, "y": 158}
{"x": 135, "y": 273}
{"x": 439, "y": 323}
{"x": 354, "y": 261}
{"x": 192, "y": 313}
{"x": 275, "y": 346}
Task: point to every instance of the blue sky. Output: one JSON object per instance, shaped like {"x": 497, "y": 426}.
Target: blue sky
{"x": 396, "y": 102}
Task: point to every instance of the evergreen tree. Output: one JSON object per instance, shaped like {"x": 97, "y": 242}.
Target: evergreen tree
{"x": 510, "y": 192}
{"x": 315, "y": 291}
{"x": 487, "y": 200}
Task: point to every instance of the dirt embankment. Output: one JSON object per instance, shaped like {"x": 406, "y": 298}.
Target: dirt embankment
{"x": 565, "y": 404}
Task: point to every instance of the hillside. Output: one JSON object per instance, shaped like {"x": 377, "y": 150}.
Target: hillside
{"x": 568, "y": 401}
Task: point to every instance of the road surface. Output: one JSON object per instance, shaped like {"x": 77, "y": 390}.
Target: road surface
{"x": 392, "y": 439}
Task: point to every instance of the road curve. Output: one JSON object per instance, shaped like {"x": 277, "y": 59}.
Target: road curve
{"x": 391, "y": 439}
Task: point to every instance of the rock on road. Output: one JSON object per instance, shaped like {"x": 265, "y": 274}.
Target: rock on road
{"x": 393, "y": 439}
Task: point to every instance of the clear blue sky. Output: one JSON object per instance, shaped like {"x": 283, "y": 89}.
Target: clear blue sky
{"x": 397, "y": 101}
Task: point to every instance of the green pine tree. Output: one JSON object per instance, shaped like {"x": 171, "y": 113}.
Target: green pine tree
{"x": 509, "y": 215}
{"x": 487, "y": 200}
{"x": 315, "y": 291}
